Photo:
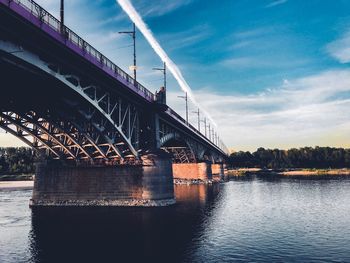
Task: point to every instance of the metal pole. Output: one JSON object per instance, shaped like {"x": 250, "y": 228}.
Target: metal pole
{"x": 186, "y": 99}
{"x": 205, "y": 126}
{"x": 164, "y": 77}
{"x": 164, "y": 72}
{"x": 186, "y": 109}
{"x": 209, "y": 132}
{"x": 133, "y": 35}
{"x": 134, "y": 38}
{"x": 199, "y": 119}
{"x": 62, "y": 15}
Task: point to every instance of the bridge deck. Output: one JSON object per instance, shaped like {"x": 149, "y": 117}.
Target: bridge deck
{"x": 43, "y": 20}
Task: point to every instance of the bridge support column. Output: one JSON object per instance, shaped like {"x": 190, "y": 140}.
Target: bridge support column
{"x": 192, "y": 171}
{"x": 147, "y": 185}
{"x": 218, "y": 171}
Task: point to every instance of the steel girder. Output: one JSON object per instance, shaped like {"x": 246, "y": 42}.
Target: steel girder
{"x": 181, "y": 153}
{"x": 191, "y": 151}
{"x": 114, "y": 120}
{"x": 60, "y": 140}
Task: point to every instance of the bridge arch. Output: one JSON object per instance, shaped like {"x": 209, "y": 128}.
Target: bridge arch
{"x": 100, "y": 108}
{"x": 207, "y": 155}
{"x": 180, "y": 148}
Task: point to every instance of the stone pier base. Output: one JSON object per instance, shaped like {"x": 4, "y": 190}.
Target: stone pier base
{"x": 192, "y": 171}
{"x": 218, "y": 171}
{"x": 147, "y": 185}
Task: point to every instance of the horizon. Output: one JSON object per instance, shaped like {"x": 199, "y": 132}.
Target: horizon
{"x": 280, "y": 78}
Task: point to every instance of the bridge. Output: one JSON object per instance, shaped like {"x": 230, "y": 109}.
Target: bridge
{"x": 102, "y": 137}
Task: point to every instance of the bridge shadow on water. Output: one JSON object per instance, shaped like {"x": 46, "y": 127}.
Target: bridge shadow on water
{"x": 127, "y": 234}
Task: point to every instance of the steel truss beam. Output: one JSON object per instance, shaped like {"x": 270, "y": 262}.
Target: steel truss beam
{"x": 192, "y": 152}
{"x": 181, "y": 154}
{"x": 114, "y": 117}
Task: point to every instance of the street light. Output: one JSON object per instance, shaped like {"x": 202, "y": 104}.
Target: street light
{"x": 164, "y": 78}
{"x": 205, "y": 126}
{"x": 164, "y": 73}
{"x": 209, "y": 132}
{"x": 199, "y": 120}
{"x": 186, "y": 99}
{"x": 62, "y": 16}
{"x": 133, "y": 35}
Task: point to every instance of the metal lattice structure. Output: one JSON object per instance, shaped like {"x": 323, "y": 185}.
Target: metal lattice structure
{"x": 93, "y": 111}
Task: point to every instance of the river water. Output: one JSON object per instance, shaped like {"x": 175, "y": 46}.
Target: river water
{"x": 245, "y": 220}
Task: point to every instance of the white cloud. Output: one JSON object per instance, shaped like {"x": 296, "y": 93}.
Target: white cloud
{"x": 276, "y": 3}
{"x": 340, "y": 48}
{"x": 158, "y": 8}
{"x": 261, "y": 61}
{"x": 313, "y": 110}
{"x": 187, "y": 38}
{"x": 114, "y": 19}
{"x": 307, "y": 111}
{"x": 172, "y": 67}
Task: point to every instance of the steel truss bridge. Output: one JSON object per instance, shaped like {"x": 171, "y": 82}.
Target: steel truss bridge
{"x": 64, "y": 98}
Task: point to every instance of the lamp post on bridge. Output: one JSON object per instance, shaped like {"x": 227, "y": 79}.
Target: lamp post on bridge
{"x": 199, "y": 120}
{"x": 186, "y": 99}
{"x": 133, "y": 35}
{"x": 209, "y": 132}
{"x": 205, "y": 126}
{"x": 164, "y": 78}
{"x": 62, "y": 16}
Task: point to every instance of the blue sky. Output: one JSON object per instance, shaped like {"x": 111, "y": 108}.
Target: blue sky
{"x": 272, "y": 73}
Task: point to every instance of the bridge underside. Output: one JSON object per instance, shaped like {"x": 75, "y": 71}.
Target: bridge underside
{"x": 54, "y": 119}
{"x": 99, "y": 141}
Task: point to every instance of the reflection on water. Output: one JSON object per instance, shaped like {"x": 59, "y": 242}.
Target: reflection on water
{"x": 248, "y": 219}
{"x": 125, "y": 234}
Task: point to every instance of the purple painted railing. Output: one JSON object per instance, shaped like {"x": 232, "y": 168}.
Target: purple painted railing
{"x": 41, "y": 18}
{"x": 220, "y": 145}
{"x": 38, "y": 16}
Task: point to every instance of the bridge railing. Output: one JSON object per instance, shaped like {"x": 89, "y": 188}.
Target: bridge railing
{"x": 45, "y": 17}
{"x": 220, "y": 144}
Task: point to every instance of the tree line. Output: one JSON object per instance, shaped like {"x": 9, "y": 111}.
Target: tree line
{"x": 17, "y": 160}
{"x": 306, "y": 157}
{"x": 21, "y": 160}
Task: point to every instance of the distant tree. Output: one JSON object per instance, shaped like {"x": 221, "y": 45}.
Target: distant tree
{"x": 306, "y": 157}
{"x": 16, "y": 160}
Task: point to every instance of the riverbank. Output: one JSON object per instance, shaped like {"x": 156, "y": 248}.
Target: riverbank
{"x": 16, "y": 177}
{"x": 288, "y": 172}
{"x": 16, "y": 185}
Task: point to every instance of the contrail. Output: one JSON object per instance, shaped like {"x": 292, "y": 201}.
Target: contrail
{"x": 147, "y": 33}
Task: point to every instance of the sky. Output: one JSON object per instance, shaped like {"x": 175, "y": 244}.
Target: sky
{"x": 271, "y": 73}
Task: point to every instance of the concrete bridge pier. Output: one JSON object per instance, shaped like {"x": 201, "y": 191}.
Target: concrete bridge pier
{"x": 218, "y": 171}
{"x": 193, "y": 171}
{"x": 150, "y": 184}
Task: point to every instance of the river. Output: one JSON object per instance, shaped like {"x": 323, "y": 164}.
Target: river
{"x": 245, "y": 220}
